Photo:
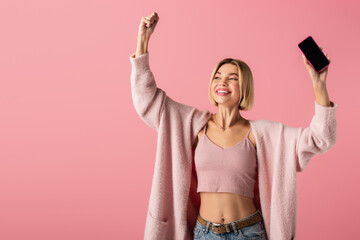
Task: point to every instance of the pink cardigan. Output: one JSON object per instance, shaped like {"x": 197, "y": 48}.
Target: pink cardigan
{"x": 281, "y": 152}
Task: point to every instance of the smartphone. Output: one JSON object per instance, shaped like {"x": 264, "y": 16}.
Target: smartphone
{"x": 314, "y": 54}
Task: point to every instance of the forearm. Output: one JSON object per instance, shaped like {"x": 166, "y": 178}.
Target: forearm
{"x": 321, "y": 95}
{"x": 142, "y": 45}
{"x": 148, "y": 99}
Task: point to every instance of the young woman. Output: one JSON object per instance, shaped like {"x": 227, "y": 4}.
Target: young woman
{"x": 225, "y": 148}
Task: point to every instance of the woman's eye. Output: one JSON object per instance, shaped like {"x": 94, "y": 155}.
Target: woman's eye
{"x": 230, "y": 78}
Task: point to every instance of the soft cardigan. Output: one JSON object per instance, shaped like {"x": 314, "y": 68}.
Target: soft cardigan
{"x": 281, "y": 152}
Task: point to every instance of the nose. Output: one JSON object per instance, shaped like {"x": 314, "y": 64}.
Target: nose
{"x": 222, "y": 81}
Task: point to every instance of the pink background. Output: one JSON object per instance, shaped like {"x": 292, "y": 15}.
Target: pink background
{"x": 76, "y": 161}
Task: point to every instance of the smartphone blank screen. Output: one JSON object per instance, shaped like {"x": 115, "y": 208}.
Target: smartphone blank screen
{"x": 314, "y": 54}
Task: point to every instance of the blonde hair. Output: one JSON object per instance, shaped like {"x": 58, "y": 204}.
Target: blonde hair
{"x": 246, "y": 83}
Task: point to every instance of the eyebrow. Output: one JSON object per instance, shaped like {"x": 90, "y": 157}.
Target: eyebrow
{"x": 229, "y": 74}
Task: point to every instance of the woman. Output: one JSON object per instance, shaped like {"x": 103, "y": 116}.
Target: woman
{"x": 227, "y": 206}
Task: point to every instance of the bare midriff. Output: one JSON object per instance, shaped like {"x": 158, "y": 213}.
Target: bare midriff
{"x": 222, "y": 207}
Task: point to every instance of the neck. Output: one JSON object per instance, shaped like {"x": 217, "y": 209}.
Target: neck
{"x": 227, "y": 117}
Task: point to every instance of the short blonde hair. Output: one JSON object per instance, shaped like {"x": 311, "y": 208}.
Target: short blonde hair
{"x": 246, "y": 85}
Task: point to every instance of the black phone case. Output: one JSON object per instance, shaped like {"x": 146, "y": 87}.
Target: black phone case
{"x": 313, "y": 53}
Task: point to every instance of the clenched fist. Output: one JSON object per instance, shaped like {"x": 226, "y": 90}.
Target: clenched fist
{"x": 148, "y": 24}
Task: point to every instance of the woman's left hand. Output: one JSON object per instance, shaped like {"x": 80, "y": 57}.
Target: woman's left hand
{"x": 317, "y": 78}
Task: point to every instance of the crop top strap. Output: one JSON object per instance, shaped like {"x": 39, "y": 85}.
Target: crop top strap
{"x": 247, "y": 135}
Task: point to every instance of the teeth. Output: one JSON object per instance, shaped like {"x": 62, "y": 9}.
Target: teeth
{"x": 222, "y": 92}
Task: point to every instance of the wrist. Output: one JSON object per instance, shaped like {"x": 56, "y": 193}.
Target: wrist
{"x": 319, "y": 86}
{"x": 143, "y": 38}
{"x": 324, "y": 102}
{"x": 322, "y": 96}
{"x": 142, "y": 45}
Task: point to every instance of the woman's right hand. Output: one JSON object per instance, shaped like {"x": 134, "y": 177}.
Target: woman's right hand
{"x": 147, "y": 25}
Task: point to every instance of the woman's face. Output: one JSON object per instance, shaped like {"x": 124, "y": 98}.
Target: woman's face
{"x": 226, "y": 78}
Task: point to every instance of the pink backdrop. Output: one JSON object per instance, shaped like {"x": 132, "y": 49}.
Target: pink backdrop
{"x": 76, "y": 161}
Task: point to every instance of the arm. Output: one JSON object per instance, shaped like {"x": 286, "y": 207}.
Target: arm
{"x": 142, "y": 45}
{"x": 146, "y": 29}
{"x": 148, "y": 99}
{"x": 319, "y": 137}
{"x": 151, "y": 102}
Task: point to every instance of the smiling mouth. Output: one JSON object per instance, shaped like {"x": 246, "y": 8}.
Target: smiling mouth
{"x": 222, "y": 93}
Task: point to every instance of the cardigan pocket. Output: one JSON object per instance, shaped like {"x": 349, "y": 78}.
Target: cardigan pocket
{"x": 157, "y": 219}
{"x": 155, "y": 228}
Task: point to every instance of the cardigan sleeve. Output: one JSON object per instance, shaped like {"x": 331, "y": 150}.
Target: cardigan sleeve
{"x": 148, "y": 99}
{"x": 319, "y": 137}
{"x": 151, "y": 102}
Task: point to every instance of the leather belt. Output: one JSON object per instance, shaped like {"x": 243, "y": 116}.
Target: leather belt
{"x": 222, "y": 228}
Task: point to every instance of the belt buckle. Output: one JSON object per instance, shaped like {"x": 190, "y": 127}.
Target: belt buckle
{"x": 212, "y": 227}
{"x": 228, "y": 227}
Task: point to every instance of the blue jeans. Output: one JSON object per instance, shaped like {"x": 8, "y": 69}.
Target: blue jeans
{"x": 255, "y": 231}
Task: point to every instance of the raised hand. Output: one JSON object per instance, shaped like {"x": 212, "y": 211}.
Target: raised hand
{"x": 317, "y": 78}
{"x": 148, "y": 24}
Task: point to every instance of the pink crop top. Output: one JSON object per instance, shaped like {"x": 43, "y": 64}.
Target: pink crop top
{"x": 230, "y": 169}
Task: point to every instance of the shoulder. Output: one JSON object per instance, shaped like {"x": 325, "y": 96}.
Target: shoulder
{"x": 268, "y": 130}
{"x": 199, "y": 120}
{"x": 265, "y": 128}
{"x": 200, "y": 133}
{"x": 263, "y": 124}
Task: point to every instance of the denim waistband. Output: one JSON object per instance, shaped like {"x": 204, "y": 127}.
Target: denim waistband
{"x": 243, "y": 219}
